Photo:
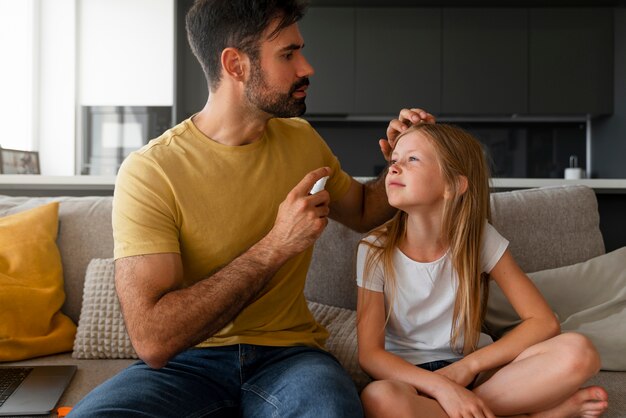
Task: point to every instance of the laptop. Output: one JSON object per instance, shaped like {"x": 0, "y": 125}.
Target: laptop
{"x": 32, "y": 390}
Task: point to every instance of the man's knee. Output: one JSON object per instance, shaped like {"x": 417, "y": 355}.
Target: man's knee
{"x": 313, "y": 385}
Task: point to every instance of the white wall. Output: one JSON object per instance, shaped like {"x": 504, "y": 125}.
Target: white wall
{"x": 126, "y": 52}
{"x": 17, "y": 78}
{"x": 57, "y": 56}
{"x": 57, "y": 87}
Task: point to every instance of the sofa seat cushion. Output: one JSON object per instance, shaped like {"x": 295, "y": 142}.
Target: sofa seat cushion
{"x": 89, "y": 374}
{"x": 615, "y": 385}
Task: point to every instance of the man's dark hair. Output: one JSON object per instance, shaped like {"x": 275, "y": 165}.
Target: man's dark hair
{"x": 213, "y": 25}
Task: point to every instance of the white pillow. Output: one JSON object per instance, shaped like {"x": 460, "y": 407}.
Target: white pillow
{"x": 101, "y": 331}
{"x": 588, "y": 297}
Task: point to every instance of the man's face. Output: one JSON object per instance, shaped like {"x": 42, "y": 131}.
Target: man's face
{"x": 279, "y": 76}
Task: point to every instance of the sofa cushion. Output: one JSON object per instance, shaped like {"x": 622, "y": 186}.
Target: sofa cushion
{"x": 101, "y": 330}
{"x": 85, "y": 233}
{"x": 549, "y": 227}
{"x": 588, "y": 297}
{"x": 31, "y": 283}
{"x": 331, "y": 279}
{"x": 90, "y": 373}
{"x": 342, "y": 341}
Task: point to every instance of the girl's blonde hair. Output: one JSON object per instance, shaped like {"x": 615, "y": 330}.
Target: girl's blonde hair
{"x": 464, "y": 214}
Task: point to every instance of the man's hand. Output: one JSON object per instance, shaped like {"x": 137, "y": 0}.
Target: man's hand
{"x": 406, "y": 118}
{"x": 301, "y": 217}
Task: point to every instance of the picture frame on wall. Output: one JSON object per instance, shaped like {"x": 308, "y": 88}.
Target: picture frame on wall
{"x": 13, "y": 161}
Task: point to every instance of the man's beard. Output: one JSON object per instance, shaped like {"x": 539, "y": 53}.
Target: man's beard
{"x": 277, "y": 104}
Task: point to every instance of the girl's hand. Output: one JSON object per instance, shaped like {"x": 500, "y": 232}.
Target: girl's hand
{"x": 458, "y": 372}
{"x": 459, "y": 402}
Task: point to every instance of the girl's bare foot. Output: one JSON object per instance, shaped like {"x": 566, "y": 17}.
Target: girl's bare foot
{"x": 586, "y": 403}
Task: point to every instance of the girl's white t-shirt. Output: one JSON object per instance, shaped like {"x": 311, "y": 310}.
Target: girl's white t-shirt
{"x": 421, "y": 320}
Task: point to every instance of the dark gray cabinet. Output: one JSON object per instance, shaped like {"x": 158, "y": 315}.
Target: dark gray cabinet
{"x": 571, "y": 61}
{"x": 191, "y": 86}
{"x": 485, "y": 61}
{"x": 329, "y": 46}
{"x": 398, "y": 59}
{"x": 372, "y": 61}
{"x": 450, "y": 61}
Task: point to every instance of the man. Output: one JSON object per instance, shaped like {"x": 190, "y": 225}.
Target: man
{"x": 214, "y": 226}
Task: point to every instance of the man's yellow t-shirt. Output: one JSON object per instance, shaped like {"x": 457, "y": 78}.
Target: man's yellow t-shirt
{"x": 187, "y": 194}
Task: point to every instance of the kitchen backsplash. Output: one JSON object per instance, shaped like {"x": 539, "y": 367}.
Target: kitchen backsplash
{"x": 516, "y": 150}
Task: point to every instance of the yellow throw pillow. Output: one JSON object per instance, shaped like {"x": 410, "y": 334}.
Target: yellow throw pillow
{"x": 31, "y": 286}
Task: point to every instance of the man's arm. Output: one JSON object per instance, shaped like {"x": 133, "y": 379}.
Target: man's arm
{"x": 365, "y": 206}
{"x": 163, "y": 318}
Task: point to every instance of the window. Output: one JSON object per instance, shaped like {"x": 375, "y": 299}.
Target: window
{"x": 18, "y": 73}
{"x": 59, "y": 55}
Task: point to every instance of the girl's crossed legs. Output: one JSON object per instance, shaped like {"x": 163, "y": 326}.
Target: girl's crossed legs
{"x": 543, "y": 381}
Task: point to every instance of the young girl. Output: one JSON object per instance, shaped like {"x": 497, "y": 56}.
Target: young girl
{"x": 423, "y": 287}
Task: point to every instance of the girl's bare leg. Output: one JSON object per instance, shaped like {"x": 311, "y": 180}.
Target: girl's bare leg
{"x": 397, "y": 399}
{"x": 388, "y": 398}
{"x": 587, "y": 402}
{"x": 545, "y": 380}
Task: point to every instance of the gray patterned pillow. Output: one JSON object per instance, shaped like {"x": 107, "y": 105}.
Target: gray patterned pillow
{"x": 342, "y": 342}
{"x": 101, "y": 331}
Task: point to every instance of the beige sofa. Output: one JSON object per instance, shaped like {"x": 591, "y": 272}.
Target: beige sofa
{"x": 547, "y": 228}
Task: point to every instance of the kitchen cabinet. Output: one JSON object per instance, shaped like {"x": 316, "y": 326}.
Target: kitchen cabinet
{"x": 370, "y": 62}
{"x": 485, "y": 61}
{"x": 571, "y": 61}
{"x": 398, "y": 59}
{"x": 329, "y": 47}
{"x": 474, "y": 61}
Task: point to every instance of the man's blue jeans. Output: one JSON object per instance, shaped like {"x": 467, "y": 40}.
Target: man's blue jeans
{"x": 233, "y": 381}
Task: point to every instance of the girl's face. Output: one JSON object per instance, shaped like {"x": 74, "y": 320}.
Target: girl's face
{"x": 414, "y": 178}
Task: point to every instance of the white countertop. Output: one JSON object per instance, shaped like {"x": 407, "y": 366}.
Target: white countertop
{"x": 31, "y": 182}
{"x": 512, "y": 183}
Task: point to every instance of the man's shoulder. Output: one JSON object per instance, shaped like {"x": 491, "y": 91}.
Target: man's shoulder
{"x": 159, "y": 152}
{"x": 165, "y": 140}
